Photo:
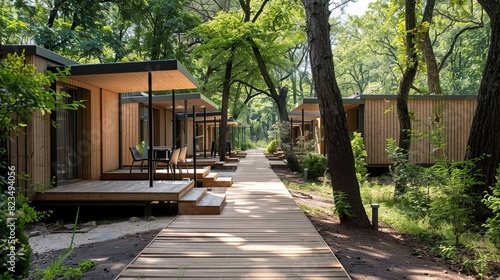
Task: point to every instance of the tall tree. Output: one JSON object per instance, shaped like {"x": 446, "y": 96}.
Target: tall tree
{"x": 339, "y": 150}
{"x": 484, "y": 139}
{"x": 433, "y": 81}
{"x": 406, "y": 81}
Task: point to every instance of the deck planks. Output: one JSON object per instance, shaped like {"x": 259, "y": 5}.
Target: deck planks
{"x": 116, "y": 191}
{"x": 261, "y": 234}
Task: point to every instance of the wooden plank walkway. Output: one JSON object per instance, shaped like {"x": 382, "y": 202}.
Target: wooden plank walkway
{"x": 261, "y": 234}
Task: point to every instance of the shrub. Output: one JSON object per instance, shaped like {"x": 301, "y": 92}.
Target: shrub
{"x": 272, "y": 147}
{"x": 316, "y": 165}
{"x": 359, "y": 152}
{"x": 493, "y": 202}
{"x": 291, "y": 159}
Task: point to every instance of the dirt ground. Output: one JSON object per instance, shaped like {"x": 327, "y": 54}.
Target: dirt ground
{"x": 365, "y": 254}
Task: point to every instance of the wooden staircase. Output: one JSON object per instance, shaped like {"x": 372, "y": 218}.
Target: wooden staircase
{"x": 199, "y": 202}
{"x": 213, "y": 180}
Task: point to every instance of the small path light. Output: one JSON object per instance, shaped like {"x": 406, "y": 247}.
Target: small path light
{"x": 375, "y": 207}
{"x": 306, "y": 170}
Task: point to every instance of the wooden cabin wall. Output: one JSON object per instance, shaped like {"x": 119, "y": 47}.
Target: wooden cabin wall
{"x": 381, "y": 123}
{"x": 352, "y": 120}
{"x": 457, "y": 120}
{"x": 103, "y": 130}
{"x": 29, "y": 149}
{"x": 130, "y": 130}
{"x": 110, "y": 130}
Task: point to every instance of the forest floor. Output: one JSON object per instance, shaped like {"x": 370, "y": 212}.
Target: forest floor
{"x": 365, "y": 253}
{"x": 368, "y": 254}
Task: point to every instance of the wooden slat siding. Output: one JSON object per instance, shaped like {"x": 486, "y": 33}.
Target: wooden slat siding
{"x": 130, "y": 130}
{"x": 378, "y": 126}
{"x": 110, "y": 131}
{"x": 456, "y": 119}
{"x": 260, "y": 234}
{"x": 40, "y": 152}
{"x": 459, "y": 115}
{"x": 352, "y": 120}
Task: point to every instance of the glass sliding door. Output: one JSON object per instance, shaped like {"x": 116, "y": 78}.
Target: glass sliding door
{"x": 66, "y": 142}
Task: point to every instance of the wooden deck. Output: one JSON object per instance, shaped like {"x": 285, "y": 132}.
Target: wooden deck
{"x": 261, "y": 234}
{"x": 160, "y": 174}
{"x": 89, "y": 190}
{"x": 190, "y": 200}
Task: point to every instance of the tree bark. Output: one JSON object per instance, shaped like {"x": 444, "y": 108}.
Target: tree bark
{"x": 406, "y": 82}
{"x": 226, "y": 89}
{"x": 433, "y": 81}
{"x": 484, "y": 138}
{"x": 279, "y": 98}
{"x": 339, "y": 150}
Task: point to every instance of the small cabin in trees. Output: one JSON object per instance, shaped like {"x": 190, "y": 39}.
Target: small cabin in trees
{"x": 93, "y": 140}
{"x": 375, "y": 117}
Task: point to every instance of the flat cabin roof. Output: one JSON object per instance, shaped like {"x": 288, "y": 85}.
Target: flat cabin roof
{"x": 310, "y": 105}
{"x": 165, "y": 101}
{"x": 123, "y": 77}
{"x": 38, "y": 51}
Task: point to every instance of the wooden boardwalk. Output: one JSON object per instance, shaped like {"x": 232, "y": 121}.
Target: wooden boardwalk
{"x": 261, "y": 234}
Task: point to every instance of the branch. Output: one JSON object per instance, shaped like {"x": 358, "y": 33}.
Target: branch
{"x": 453, "y": 42}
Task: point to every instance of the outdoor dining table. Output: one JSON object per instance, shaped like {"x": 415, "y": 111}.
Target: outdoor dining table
{"x": 162, "y": 152}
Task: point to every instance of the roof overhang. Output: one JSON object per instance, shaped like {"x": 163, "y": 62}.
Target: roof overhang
{"x": 122, "y": 77}
{"x": 310, "y": 107}
{"x": 55, "y": 58}
{"x": 198, "y": 100}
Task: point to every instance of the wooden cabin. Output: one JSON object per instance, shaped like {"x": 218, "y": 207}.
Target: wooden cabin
{"x": 93, "y": 140}
{"x": 375, "y": 117}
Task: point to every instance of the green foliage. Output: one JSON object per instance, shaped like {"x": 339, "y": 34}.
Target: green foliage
{"x": 359, "y": 152}
{"x": 141, "y": 148}
{"x": 272, "y": 147}
{"x": 14, "y": 245}
{"x": 492, "y": 201}
{"x": 316, "y": 165}
{"x": 16, "y": 250}
{"x": 56, "y": 268}
{"x": 247, "y": 146}
{"x": 453, "y": 203}
{"x": 25, "y": 91}
{"x": 291, "y": 159}
{"x": 342, "y": 207}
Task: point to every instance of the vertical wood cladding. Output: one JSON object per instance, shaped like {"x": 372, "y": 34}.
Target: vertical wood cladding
{"x": 454, "y": 115}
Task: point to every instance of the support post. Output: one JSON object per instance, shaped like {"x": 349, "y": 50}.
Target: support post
{"x": 150, "y": 128}
{"x": 194, "y": 148}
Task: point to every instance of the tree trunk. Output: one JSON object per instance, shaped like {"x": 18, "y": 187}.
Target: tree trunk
{"x": 226, "y": 89}
{"x": 484, "y": 138}
{"x": 433, "y": 81}
{"x": 339, "y": 150}
{"x": 405, "y": 84}
{"x": 279, "y": 98}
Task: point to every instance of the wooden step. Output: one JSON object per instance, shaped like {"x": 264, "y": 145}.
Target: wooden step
{"x": 212, "y": 176}
{"x": 220, "y": 182}
{"x": 209, "y": 204}
{"x": 193, "y": 197}
{"x": 278, "y": 164}
{"x": 232, "y": 159}
{"x": 220, "y": 165}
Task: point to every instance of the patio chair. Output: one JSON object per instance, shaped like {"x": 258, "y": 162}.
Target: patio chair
{"x": 136, "y": 157}
{"x": 182, "y": 159}
{"x": 173, "y": 161}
